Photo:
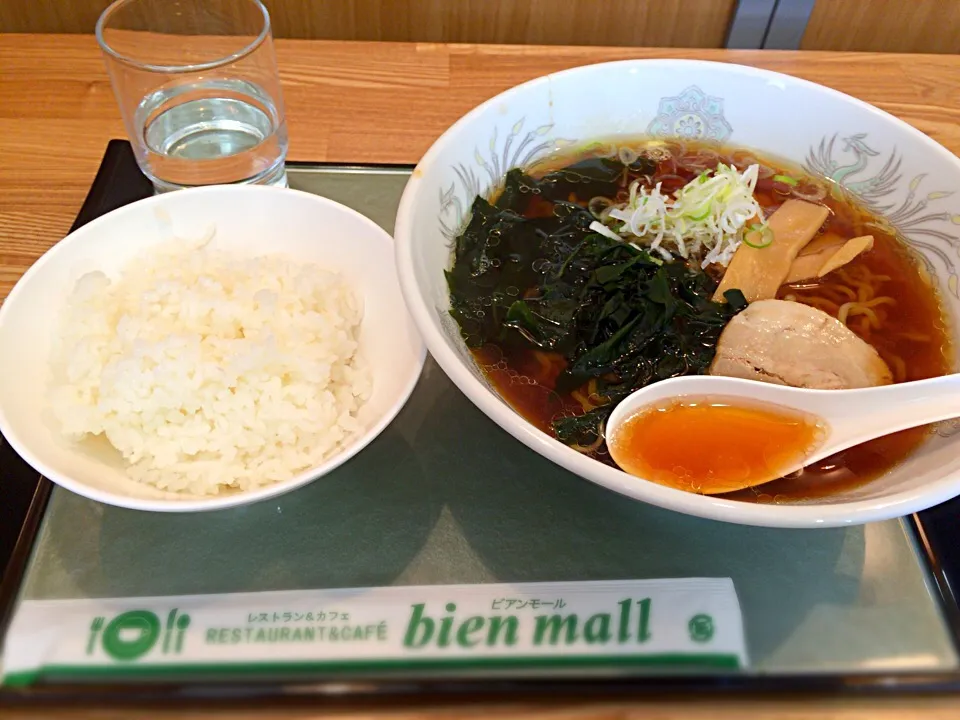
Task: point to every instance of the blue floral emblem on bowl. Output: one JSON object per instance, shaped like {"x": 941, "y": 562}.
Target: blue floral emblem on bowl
{"x": 691, "y": 115}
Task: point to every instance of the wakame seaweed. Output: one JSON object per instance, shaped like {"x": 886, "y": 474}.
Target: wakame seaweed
{"x": 529, "y": 272}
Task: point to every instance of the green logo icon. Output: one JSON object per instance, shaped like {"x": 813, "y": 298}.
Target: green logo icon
{"x": 701, "y": 628}
{"x": 131, "y": 635}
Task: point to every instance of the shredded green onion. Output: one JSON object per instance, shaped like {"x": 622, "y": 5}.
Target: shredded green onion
{"x": 703, "y": 221}
{"x": 786, "y": 179}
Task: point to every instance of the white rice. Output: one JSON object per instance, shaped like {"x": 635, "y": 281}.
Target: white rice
{"x": 210, "y": 371}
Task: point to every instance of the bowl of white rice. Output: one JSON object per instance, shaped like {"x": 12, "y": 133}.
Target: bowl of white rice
{"x": 206, "y": 348}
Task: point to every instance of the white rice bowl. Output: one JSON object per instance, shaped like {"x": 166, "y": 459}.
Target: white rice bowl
{"x": 304, "y": 323}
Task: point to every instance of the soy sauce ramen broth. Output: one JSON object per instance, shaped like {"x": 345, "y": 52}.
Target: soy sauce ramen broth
{"x": 909, "y": 333}
{"x": 740, "y": 444}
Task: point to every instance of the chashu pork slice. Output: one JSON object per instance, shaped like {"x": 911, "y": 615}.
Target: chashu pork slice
{"x": 788, "y": 343}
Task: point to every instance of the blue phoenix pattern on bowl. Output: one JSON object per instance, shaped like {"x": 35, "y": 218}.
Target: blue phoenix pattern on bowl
{"x": 912, "y": 218}
{"x": 516, "y": 150}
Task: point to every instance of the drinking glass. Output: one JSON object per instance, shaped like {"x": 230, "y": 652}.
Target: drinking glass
{"x": 198, "y": 89}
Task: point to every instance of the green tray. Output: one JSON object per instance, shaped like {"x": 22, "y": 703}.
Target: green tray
{"x": 444, "y": 496}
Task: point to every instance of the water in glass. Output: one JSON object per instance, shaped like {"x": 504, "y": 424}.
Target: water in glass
{"x": 211, "y": 131}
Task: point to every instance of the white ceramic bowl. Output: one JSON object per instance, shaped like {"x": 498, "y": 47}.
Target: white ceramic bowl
{"x": 252, "y": 219}
{"x": 885, "y": 161}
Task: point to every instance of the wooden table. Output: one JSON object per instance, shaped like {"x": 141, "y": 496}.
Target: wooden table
{"x": 386, "y": 103}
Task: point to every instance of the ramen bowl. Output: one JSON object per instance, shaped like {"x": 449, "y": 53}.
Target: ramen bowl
{"x": 883, "y": 163}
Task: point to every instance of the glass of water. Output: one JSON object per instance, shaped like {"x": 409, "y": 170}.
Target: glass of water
{"x": 198, "y": 89}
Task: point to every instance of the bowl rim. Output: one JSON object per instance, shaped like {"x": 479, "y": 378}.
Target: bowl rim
{"x": 853, "y": 512}
{"x": 214, "y": 502}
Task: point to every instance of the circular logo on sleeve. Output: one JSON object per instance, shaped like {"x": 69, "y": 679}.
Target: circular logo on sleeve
{"x": 701, "y": 628}
{"x": 131, "y": 635}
